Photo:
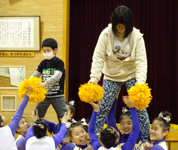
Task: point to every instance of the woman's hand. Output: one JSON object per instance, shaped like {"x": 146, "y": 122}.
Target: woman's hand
{"x": 95, "y": 106}
{"x": 127, "y": 101}
{"x": 91, "y": 82}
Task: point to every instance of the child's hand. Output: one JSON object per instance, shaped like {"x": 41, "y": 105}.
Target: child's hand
{"x": 128, "y": 102}
{"x": 34, "y": 116}
{"x": 44, "y": 84}
{"x": 29, "y": 90}
{"x": 68, "y": 115}
{"x": 147, "y": 146}
{"x": 95, "y": 106}
{"x": 65, "y": 118}
{"x": 66, "y": 140}
{"x": 89, "y": 148}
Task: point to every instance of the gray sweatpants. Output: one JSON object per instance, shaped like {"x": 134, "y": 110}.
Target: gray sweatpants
{"x": 58, "y": 104}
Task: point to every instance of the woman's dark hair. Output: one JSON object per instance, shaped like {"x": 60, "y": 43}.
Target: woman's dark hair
{"x": 125, "y": 113}
{"x": 164, "y": 118}
{"x": 123, "y": 15}
{"x": 71, "y": 107}
{"x": 108, "y": 137}
{"x": 75, "y": 124}
{"x": 39, "y": 128}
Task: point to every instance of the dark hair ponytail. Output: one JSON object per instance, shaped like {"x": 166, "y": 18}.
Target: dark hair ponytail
{"x": 71, "y": 106}
{"x": 125, "y": 113}
{"x": 39, "y": 128}
{"x": 164, "y": 118}
{"x": 108, "y": 137}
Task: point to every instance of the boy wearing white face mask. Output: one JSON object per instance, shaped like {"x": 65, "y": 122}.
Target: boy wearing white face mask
{"x": 53, "y": 76}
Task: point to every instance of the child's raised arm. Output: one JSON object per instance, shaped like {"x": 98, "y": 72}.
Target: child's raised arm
{"x": 61, "y": 134}
{"x": 136, "y": 125}
{"x": 93, "y": 137}
{"x": 16, "y": 119}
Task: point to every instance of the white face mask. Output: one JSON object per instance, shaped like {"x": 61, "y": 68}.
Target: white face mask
{"x": 49, "y": 55}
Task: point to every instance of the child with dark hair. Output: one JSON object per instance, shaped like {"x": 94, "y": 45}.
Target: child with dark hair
{"x": 36, "y": 137}
{"x": 71, "y": 112}
{"x": 71, "y": 108}
{"x": 54, "y": 128}
{"x": 110, "y": 136}
{"x": 53, "y": 76}
{"x": 7, "y": 133}
{"x": 158, "y": 132}
{"x": 120, "y": 55}
{"x": 125, "y": 124}
{"x": 22, "y": 131}
{"x": 78, "y": 135}
{"x": 39, "y": 128}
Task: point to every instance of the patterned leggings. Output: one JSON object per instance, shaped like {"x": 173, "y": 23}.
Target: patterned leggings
{"x": 111, "y": 89}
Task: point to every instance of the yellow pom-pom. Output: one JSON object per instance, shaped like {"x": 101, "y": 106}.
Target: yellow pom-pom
{"x": 38, "y": 93}
{"x": 90, "y": 92}
{"x": 141, "y": 95}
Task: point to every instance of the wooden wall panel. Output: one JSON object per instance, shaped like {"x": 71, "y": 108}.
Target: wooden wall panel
{"x": 173, "y": 146}
{"x": 52, "y": 25}
{"x": 172, "y": 140}
{"x": 5, "y": 82}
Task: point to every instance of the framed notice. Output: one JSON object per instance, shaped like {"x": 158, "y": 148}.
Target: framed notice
{"x": 20, "y": 33}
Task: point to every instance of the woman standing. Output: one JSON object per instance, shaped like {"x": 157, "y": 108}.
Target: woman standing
{"x": 121, "y": 56}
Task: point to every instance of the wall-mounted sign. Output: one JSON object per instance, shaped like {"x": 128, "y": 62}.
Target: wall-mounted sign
{"x": 17, "y": 54}
{"x": 20, "y": 33}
